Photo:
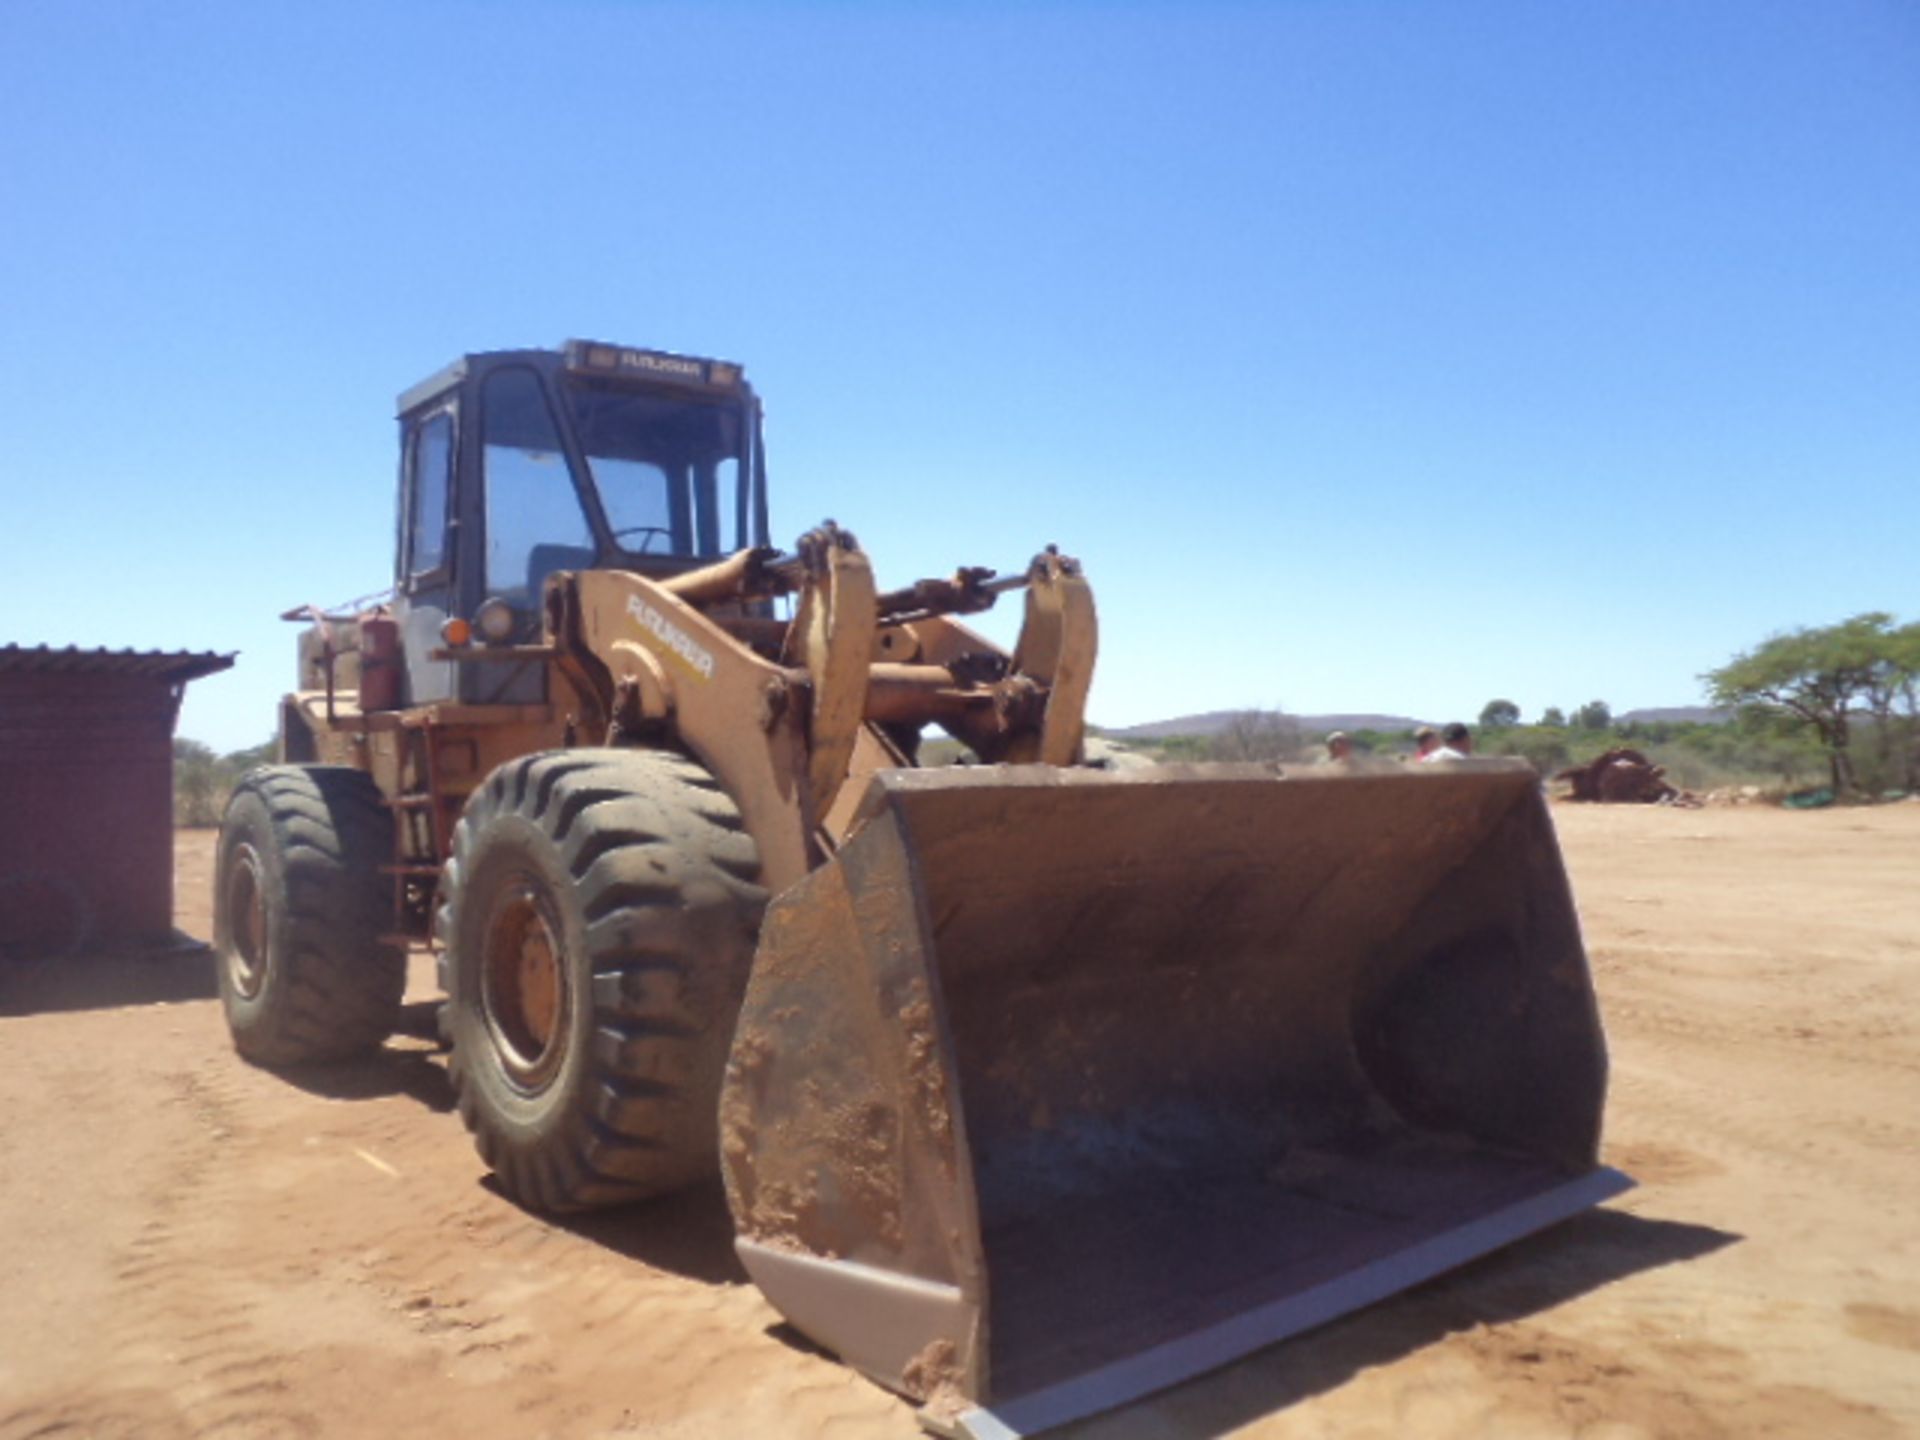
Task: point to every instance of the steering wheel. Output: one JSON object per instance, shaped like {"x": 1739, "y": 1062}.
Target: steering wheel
{"x": 647, "y": 530}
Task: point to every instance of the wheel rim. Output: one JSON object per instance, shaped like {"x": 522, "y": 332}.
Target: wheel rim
{"x": 524, "y": 988}
{"x": 246, "y": 917}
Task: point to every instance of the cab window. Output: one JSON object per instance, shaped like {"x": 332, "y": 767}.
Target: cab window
{"x": 535, "y": 525}
{"x": 431, "y": 481}
{"x": 666, "y": 468}
{"x": 638, "y": 497}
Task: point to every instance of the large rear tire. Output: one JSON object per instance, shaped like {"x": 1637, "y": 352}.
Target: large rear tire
{"x": 600, "y": 915}
{"x": 299, "y": 908}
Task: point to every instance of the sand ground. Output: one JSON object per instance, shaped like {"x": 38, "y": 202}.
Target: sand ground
{"x": 191, "y": 1247}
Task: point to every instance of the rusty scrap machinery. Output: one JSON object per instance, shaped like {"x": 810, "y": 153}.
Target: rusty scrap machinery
{"x": 1623, "y": 776}
{"x": 1035, "y": 1086}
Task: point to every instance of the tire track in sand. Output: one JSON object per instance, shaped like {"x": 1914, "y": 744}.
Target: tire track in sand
{"x": 181, "y": 1356}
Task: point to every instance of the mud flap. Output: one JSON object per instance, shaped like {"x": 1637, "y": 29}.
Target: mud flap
{"x": 1056, "y": 1087}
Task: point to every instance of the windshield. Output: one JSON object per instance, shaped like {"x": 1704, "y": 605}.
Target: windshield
{"x": 668, "y": 469}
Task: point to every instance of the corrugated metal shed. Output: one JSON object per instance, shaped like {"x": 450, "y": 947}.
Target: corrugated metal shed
{"x": 86, "y": 792}
{"x": 174, "y": 666}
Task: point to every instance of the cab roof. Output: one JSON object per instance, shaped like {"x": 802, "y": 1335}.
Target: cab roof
{"x": 596, "y": 358}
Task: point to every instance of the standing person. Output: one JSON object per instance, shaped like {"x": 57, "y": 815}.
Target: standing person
{"x": 1425, "y": 741}
{"x": 1456, "y": 743}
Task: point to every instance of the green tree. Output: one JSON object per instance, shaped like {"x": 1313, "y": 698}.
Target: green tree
{"x": 1594, "y": 715}
{"x": 202, "y": 781}
{"x": 1499, "y": 715}
{"x": 1545, "y": 750}
{"x": 1553, "y": 715}
{"x": 1813, "y": 678}
{"x": 1906, "y": 657}
{"x": 1256, "y": 735}
{"x": 1892, "y": 694}
{"x": 197, "y": 787}
{"x": 236, "y": 763}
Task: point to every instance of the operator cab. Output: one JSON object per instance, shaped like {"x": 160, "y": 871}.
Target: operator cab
{"x": 519, "y": 463}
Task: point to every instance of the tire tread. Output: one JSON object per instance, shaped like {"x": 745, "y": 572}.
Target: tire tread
{"x": 334, "y": 988}
{"x": 667, "y": 897}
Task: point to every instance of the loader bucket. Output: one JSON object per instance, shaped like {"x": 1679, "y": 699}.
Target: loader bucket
{"x": 1056, "y": 1087}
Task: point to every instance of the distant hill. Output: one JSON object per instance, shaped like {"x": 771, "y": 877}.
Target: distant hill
{"x": 1216, "y": 721}
{"x": 1676, "y": 715}
{"x": 1213, "y": 722}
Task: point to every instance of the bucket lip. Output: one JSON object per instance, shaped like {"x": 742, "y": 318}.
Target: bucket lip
{"x": 910, "y": 781}
{"x": 1120, "y": 1382}
{"x": 887, "y": 788}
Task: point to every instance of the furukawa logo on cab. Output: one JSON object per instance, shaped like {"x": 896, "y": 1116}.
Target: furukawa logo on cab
{"x": 670, "y": 635}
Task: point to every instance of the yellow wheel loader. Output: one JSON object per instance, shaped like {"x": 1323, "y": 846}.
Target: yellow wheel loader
{"x": 1035, "y": 1086}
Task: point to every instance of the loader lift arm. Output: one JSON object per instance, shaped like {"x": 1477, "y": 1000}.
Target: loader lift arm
{"x": 679, "y": 657}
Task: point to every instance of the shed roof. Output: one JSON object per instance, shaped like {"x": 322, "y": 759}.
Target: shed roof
{"x": 174, "y": 666}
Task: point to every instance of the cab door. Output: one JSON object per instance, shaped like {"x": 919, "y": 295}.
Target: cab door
{"x": 424, "y": 582}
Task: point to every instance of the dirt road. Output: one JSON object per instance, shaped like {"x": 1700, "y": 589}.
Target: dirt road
{"x": 190, "y": 1247}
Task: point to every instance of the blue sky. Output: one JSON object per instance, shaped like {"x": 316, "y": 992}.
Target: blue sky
{"x": 1378, "y": 357}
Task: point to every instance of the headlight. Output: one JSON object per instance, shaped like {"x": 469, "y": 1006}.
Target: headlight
{"x": 495, "y": 621}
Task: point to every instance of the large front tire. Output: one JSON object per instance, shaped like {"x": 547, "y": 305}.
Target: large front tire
{"x": 299, "y": 909}
{"x": 601, "y": 909}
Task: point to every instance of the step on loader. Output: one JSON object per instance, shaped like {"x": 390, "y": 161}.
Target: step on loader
{"x": 1035, "y": 1086}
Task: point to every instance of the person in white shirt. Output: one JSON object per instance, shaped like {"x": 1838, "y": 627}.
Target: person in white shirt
{"x": 1456, "y": 743}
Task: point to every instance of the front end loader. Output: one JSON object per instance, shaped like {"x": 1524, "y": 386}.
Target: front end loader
{"x": 1034, "y": 1086}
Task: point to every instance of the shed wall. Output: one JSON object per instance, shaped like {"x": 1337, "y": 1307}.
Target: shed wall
{"x": 86, "y": 809}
